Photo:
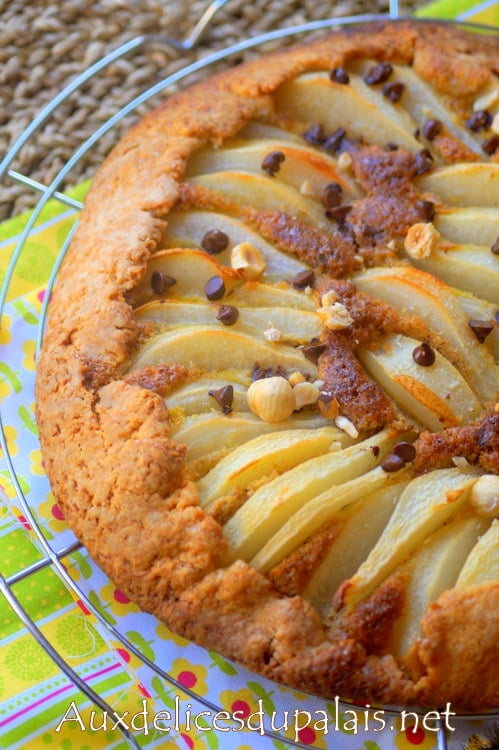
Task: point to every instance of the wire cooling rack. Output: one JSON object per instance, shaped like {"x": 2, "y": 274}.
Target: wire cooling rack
{"x": 52, "y": 555}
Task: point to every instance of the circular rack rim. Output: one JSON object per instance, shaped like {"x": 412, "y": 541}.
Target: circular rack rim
{"x": 53, "y": 557}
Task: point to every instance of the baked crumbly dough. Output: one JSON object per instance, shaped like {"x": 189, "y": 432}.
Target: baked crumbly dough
{"x": 372, "y": 147}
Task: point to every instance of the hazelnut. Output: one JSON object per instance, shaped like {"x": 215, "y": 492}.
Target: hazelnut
{"x": 335, "y": 317}
{"x": 272, "y": 333}
{"x": 421, "y": 239}
{"x": 329, "y": 298}
{"x": 295, "y": 378}
{"x": 328, "y": 405}
{"x": 246, "y": 259}
{"x": 344, "y": 161}
{"x": 344, "y": 424}
{"x": 460, "y": 461}
{"x": 306, "y": 394}
{"x": 272, "y": 399}
{"x": 484, "y": 495}
{"x": 306, "y": 188}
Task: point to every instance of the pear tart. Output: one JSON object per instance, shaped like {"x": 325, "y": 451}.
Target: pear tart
{"x": 267, "y": 396}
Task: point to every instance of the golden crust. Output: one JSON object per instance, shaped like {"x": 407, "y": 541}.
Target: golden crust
{"x": 459, "y": 649}
{"x": 120, "y": 478}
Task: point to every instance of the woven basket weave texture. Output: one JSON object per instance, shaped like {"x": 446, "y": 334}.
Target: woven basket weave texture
{"x": 43, "y": 45}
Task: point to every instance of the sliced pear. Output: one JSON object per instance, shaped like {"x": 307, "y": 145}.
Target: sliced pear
{"x": 256, "y": 294}
{"x": 258, "y": 130}
{"x": 479, "y": 309}
{"x": 427, "y": 503}
{"x": 419, "y": 293}
{"x": 301, "y": 165}
{"x": 265, "y": 455}
{"x": 430, "y": 571}
{"x": 212, "y": 349}
{"x": 472, "y": 268}
{"x": 437, "y": 396}
{"x": 173, "y": 313}
{"x": 295, "y": 325}
{"x": 187, "y": 229}
{"x": 359, "y": 534}
{"x": 482, "y": 564}
{"x": 466, "y": 184}
{"x": 264, "y": 193}
{"x": 361, "y": 110}
{"x": 205, "y": 434}
{"x": 468, "y": 226}
{"x": 311, "y": 518}
{"x": 272, "y": 505}
{"x": 422, "y": 103}
{"x": 194, "y": 397}
{"x": 191, "y": 269}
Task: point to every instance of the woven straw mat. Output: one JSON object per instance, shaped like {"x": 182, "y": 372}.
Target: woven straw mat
{"x": 45, "y": 44}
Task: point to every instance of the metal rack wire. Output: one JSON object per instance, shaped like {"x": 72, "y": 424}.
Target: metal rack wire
{"x": 53, "y": 556}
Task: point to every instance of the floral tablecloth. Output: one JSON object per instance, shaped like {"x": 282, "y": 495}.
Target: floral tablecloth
{"x": 39, "y": 705}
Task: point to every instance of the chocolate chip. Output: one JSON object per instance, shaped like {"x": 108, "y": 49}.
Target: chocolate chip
{"x": 224, "y": 397}
{"x": 392, "y": 462}
{"x": 338, "y": 213}
{"x": 332, "y": 195}
{"x": 259, "y": 373}
{"x": 313, "y": 351}
{"x": 214, "y": 241}
{"x": 214, "y": 288}
{"x": 423, "y": 161}
{"x": 227, "y": 314}
{"x": 393, "y": 91}
{"x": 423, "y": 355}
{"x": 392, "y": 146}
{"x": 332, "y": 144}
{"x": 490, "y": 145}
{"x": 339, "y": 75}
{"x": 378, "y": 73}
{"x": 495, "y": 247}
{"x": 375, "y": 450}
{"x": 160, "y": 282}
{"x": 431, "y": 129}
{"x": 272, "y": 162}
{"x": 315, "y": 135}
{"x": 480, "y": 120}
{"x": 406, "y": 451}
{"x": 426, "y": 209}
{"x": 481, "y": 328}
{"x": 304, "y": 279}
